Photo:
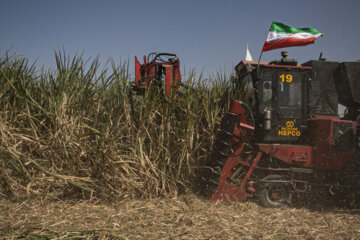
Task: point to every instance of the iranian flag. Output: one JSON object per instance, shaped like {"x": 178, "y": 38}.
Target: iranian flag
{"x": 281, "y": 35}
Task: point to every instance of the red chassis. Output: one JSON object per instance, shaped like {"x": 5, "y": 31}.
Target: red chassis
{"x": 321, "y": 155}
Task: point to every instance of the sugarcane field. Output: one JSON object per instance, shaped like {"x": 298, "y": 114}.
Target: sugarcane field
{"x": 152, "y": 120}
{"x": 84, "y": 156}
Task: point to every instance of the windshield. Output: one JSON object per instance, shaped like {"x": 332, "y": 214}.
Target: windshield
{"x": 289, "y": 94}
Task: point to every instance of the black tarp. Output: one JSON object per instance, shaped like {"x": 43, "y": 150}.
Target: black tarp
{"x": 323, "y": 96}
{"x": 347, "y": 81}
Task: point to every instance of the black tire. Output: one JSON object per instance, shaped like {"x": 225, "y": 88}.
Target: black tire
{"x": 274, "y": 194}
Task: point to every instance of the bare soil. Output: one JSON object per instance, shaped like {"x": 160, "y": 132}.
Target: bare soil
{"x": 184, "y": 217}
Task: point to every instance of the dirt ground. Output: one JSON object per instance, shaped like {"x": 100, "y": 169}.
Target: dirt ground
{"x": 185, "y": 217}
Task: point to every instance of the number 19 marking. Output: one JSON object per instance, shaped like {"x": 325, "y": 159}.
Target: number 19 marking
{"x": 287, "y": 77}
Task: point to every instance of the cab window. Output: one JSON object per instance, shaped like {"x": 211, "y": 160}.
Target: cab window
{"x": 289, "y": 94}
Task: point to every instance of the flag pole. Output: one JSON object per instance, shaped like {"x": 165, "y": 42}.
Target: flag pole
{"x": 257, "y": 67}
{"x": 260, "y": 57}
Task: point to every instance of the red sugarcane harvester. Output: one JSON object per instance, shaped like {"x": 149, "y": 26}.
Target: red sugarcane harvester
{"x": 156, "y": 68}
{"x": 292, "y": 139}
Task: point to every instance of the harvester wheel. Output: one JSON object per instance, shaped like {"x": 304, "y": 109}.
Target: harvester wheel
{"x": 273, "y": 194}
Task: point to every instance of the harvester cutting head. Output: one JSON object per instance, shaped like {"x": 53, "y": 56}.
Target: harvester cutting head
{"x": 157, "y": 69}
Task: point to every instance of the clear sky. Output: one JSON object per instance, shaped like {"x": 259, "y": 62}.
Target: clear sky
{"x": 206, "y": 34}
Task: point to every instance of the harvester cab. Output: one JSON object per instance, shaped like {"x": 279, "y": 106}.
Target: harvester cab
{"x": 291, "y": 138}
{"x": 281, "y": 92}
{"x": 160, "y": 70}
